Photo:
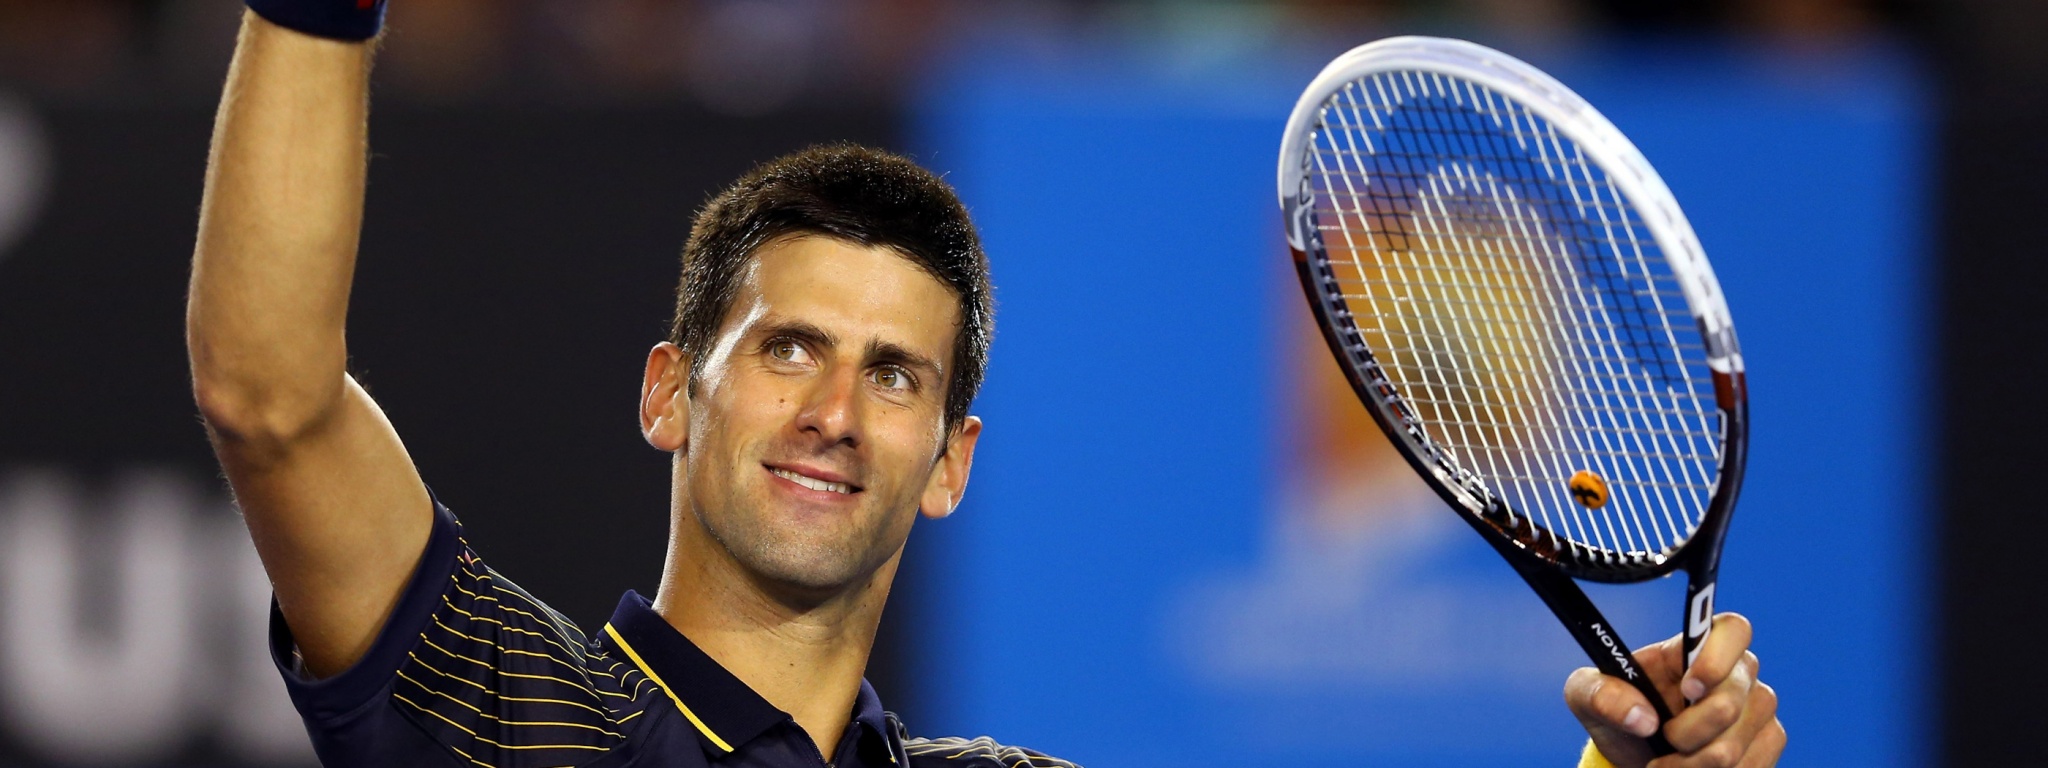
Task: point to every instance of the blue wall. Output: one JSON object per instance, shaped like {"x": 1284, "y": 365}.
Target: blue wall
{"x": 1131, "y": 581}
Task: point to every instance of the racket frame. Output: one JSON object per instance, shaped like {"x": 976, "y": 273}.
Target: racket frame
{"x": 1534, "y": 555}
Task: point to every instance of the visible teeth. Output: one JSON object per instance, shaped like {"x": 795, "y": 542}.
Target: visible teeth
{"x": 811, "y": 482}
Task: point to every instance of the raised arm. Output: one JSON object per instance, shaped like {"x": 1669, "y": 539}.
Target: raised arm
{"x": 338, "y": 513}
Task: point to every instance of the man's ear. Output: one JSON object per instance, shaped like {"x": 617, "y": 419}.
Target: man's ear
{"x": 665, "y": 398}
{"x": 948, "y": 484}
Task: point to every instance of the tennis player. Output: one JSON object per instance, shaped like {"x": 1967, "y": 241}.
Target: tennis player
{"x": 831, "y": 329}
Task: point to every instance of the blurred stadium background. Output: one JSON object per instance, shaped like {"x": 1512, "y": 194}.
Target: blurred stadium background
{"x": 1185, "y": 545}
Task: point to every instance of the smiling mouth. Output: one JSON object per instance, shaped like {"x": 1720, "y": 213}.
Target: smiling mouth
{"x": 811, "y": 482}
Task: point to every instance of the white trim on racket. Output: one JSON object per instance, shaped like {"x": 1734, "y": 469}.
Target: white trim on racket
{"x": 1567, "y": 112}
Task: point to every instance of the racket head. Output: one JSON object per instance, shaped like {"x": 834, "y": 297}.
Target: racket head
{"x": 1518, "y": 299}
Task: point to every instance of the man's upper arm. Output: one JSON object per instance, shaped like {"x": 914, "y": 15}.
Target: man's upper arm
{"x": 339, "y": 516}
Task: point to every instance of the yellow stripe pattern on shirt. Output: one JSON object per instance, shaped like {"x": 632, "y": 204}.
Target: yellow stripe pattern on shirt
{"x": 504, "y": 681}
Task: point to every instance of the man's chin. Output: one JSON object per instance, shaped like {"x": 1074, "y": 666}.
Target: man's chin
{"x": 804, "y": 561}
{"x": 815, "y": 576}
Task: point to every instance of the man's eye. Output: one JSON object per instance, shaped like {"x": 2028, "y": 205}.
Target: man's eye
{"x": 890, "y": 378}
{"x": 788, "y": 351}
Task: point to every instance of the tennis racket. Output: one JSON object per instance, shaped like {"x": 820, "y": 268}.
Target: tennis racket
{"x": 1517, "y": 299}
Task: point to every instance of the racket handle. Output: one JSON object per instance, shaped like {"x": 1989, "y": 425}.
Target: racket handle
{"x": 1613, "y": 658}
{"x": 1595, "y": 636}
{"x": 1659, "y": 747}
{"x": 1699, "y": 615}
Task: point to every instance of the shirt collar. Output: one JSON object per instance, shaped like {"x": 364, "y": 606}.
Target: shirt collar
{"x": 868, "y": 716}
{"x": 725, "y": 711}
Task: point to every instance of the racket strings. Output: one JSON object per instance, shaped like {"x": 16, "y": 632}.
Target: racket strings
{"x": 1529, "y": 327}
{"x": 1625, "y": 531}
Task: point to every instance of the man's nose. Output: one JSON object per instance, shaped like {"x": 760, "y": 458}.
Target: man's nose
{"x": 832, "y": 409}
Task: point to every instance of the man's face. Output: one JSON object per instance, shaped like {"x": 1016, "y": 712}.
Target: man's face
{"x": 817, "y": 422}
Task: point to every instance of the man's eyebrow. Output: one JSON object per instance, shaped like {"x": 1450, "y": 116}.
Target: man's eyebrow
{"x": 891, "y": 352}
{"x": 773, "y": 327}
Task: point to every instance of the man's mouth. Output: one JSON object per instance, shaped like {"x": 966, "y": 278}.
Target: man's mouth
{"x": 812, "y": 483}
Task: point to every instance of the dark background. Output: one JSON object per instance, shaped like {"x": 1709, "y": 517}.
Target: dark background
{"x": 536, "y": 165}
{"x": 1993, "y": 73}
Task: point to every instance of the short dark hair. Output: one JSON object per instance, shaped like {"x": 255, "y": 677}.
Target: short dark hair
{"x": 852, "y": 193}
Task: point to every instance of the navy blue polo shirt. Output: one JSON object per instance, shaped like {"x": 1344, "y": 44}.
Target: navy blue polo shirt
{"x": 470, "y": 670}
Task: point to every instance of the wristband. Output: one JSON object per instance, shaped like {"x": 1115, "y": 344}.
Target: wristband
{"x": 354, "y": 20}
{"x": 1591, "y": 757}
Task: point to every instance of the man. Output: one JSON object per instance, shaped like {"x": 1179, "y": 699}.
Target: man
{"x": 831, "y": 330}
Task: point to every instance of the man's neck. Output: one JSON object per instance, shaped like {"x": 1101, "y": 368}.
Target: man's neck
{"x": 806, "y": 658}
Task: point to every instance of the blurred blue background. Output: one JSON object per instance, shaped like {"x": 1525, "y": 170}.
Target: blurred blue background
{"x": 1127, "y": 575}
{"x": 1184, "y": 544}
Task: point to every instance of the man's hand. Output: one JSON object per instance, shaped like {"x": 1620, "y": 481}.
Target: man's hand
{"x": 1732, "y": 722}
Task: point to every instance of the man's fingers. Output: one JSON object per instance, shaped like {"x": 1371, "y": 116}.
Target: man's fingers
{"x": 1731, "y": 722}
{"x": 1756, "y": 739}
{"x": 1769, "y": 744}
{"x": 1717, "y": 713}
{"x": 1724, "y": 647}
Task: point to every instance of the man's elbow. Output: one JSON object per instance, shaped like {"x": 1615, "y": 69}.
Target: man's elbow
{"x": 259, "y": 421}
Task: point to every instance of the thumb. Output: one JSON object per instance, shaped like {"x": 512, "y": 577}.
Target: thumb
{"x": 1614, "y": 713}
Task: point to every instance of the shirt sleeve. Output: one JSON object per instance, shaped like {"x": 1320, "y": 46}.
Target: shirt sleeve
{"x": 468, "y": 670}
{"x": 979, "y": 752}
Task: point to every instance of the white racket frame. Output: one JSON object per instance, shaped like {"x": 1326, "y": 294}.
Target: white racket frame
{"x": 1638, "y": 183}
{"x": 1571, "y": 115}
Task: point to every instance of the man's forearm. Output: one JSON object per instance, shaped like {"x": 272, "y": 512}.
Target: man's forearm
{"x": 333, "y": 503}
{"x": 277, "y": 233}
